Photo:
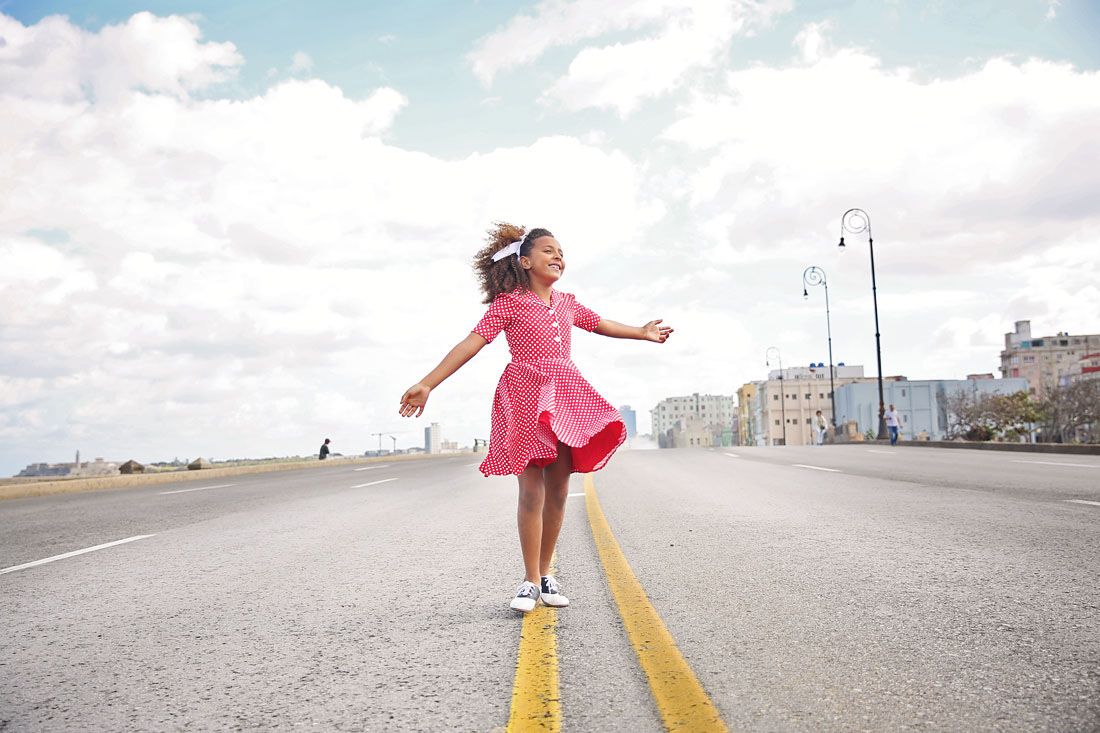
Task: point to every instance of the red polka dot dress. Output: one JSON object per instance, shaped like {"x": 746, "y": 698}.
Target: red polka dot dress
{"x": 541, "y": 397}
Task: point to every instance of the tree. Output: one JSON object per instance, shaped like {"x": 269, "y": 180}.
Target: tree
{"x": 976, "y": 416}
{"x": 1072, "y": 412}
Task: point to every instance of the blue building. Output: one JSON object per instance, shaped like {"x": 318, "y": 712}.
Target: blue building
{"x": 630, "y": 419}
{"x": 921, "y": 403}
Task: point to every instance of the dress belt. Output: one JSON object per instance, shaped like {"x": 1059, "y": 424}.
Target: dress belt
{"x": 544, "y": 360}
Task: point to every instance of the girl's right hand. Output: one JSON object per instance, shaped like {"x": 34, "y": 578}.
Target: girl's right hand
{"x": 414, "y": 399}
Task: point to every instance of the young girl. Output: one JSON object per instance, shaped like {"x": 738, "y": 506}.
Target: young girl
{"x": 547, "y": 420}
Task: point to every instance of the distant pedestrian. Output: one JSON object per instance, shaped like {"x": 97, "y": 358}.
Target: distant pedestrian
{"x": 821, "y": 426}
{"x": 547, "y": 421}
{"x": 324, "y": 450}
{"x": 893, "y": 424}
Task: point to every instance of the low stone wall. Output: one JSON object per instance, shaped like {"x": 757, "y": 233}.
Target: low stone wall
{"x": 101, "y": 483}
{"x": 1076, "y": 449}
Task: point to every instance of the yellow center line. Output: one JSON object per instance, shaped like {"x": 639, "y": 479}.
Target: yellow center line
{"x": 681, "y": 700}
{"x": 536, "y": 704}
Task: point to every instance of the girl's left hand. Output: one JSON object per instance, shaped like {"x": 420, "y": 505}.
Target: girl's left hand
{"x": 653, "y": 331}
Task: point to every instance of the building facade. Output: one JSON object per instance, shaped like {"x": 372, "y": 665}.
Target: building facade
{"x": 433, "y": 436}
{"x": 921, "y": 404}
{"x": 746, "y": 402}
{"x": 630, "y": 420}
{"x": 790, "y": 399}
{"x": 1048, "y": 361}
{"x": 715, "y": 413}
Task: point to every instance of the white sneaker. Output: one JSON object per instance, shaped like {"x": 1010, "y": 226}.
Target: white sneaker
{"x": 526, "y": 597}
{"x": 550, "y": 594}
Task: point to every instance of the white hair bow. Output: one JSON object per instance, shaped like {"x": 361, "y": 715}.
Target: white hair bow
{"x": 511, "y": 249}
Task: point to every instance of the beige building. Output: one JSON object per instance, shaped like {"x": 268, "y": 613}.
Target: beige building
{"x": 692, "y": 432}
{"x": 793, "y": 401}
{"x": 1047, "y": 361}
{"x": 746, "y": 426}
{"x": 715, "y": 413}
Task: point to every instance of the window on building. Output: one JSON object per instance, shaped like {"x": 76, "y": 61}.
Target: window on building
{"x": 808, "y": 395}
{"x": 1037, "y": 342}
{"x": 775, "y": 397}
{"x": 821, "y": 395}
{"x": 776, "y": 422}
{"x": 807, "y": 421}
{"x": 903, "y": 393}
{"x": 1064, "y": 342}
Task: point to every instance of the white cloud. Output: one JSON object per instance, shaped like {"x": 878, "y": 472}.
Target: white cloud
{"x": 239, "y": 276}
{"x": 55, "y": 61}
{"x": 980, "y": 187}
{"x": 812, "y": 42}
{"x": 1052, "y": 9}
{"x": 682, "y": 35}
{"x": 301, "y": 63}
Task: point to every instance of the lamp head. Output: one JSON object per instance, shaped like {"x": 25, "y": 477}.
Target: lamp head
{"x": 841, "y": 241}
{"x": 805, "y": 293}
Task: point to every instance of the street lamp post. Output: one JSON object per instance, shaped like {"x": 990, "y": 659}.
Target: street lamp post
{"x": 857, "y": 221}
{"x": 782, "y": 397}
{"x": 814, "y": 275}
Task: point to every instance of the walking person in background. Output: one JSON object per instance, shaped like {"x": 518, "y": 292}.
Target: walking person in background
{"x": 324, "y": 450}
{"x": 547, "y": 421}
{"x": 893, "y": 424}
{"x": 821, "y": 426}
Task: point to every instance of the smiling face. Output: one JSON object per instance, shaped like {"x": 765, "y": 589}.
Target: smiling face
{"x": 546, "y": 261}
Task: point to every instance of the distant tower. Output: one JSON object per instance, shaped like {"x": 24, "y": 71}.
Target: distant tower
{"x": 432, "y": 437}
{"x": 78, "y": 460}
{"x": 630, "y": 420}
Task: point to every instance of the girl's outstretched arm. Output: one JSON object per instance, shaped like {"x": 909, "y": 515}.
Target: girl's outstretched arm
{"x": 416, "y": 396}
{"x": 652, "y": 331}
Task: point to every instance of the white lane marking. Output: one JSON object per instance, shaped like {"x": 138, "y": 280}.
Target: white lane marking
{"x": 201, "y": 488}
{"x": 1082, "y": 501}
{"x": 74, "y": 553}
{"x": 883, "y": 452}
{"x": 1052, "y": 463}
{"x": 471, "y": 465}
{"x": 373, "y": 483}
{"x": 577, "y": 493}
{"x": 371, "y": 468}
{"x": 817, "y": 468}
{"x": 731, "y": 455}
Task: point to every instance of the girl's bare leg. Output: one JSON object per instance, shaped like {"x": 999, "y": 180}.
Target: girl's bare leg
{"x": 529, "y": 517}
{"x": 556, "y": 481}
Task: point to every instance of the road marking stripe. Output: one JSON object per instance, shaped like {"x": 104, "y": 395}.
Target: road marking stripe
{"x": 731, "y": 455}
{"x": 1052, "y": 463}
{"x": 577, "y": 493}
{"x": 536, "y": 702}
{"x": 373, "y": 483}
{"x": 371, "y": 468}
{"x": 74, "y": 553}
{"x": 817, "y": 468}
{"x": 1082, "y": 501}
{"x": 471, "y": 465}
{"x": 683, "y": 703}
{"x": 201, "y": 488}
{"x": 883, "y": 452}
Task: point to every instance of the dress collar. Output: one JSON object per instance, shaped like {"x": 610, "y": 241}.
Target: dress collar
{"x": 555, "y": 296}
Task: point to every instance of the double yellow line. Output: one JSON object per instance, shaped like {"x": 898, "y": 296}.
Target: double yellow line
{"x": 681, "y": 700}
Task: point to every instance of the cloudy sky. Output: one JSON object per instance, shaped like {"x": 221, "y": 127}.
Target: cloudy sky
{"x": 232, "y": 229}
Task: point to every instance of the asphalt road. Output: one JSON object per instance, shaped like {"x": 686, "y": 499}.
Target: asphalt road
{"x": 905, "y": 589}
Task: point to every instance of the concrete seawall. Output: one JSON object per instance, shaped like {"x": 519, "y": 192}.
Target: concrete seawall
{"x": 1073, "y": 449}
{"x": 102, "y": 483}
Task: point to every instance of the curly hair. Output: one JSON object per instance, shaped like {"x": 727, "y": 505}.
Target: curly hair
{"x": 504, "y": 275}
